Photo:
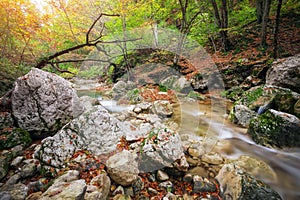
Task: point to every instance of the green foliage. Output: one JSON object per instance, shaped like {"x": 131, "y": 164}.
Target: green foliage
{"x": 162, "y": 88}
{"x": 241, "y": 14}
{"x": 134, "y": 95}
{"x": 233, "y": 93}
{"x": 251, "y": 96}
{"x": 91, "y": 72}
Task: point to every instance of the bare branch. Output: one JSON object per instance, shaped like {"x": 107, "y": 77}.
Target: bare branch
{"x": 60, "y": 70}
{"x": 94, "y": 23}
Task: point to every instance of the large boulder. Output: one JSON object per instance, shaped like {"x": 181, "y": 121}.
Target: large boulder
{"x": 237, "y": 184}
{"x": 275, "y": 129}
{"x": 95, "y": 130}
{"x": 43, "y": 102}
{"x": 160, "y": 149}
{"x": 285, "y": 73}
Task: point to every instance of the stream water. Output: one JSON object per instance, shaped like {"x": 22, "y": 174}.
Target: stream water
{"x": 207, "y": 123}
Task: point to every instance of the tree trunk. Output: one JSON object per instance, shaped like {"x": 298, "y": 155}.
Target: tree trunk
{"x": 222, "y": 22}
{"x": 224, "y": 15}
{"x": 183, "y": 7}
{"x": 276, "y": 31}
{"x": 259, "y": 10}
{"x": 264, "y": 23}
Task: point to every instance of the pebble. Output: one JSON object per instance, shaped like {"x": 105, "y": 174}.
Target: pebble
{"x": 162, "y": 176}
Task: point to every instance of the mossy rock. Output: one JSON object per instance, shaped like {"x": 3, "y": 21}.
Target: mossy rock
{"x": 280, "y": 99}
{"x": 234, "y": 93}
{"x": 275, "y": 129}
{"x": 14, "y": 137}
{"x": 257, "y": 190}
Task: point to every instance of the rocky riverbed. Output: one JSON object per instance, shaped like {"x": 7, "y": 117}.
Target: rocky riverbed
{"x": 56, "y": 145}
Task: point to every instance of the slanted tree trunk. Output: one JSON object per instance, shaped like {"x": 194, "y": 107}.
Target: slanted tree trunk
{"x": 276, "y": 31}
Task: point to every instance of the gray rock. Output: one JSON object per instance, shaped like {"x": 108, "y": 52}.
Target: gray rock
{"x": 182, "y": 164}
{"x": 285, "y": 73}
{"x": 28, "y": 170}
{"x": 170, "y": 196}
{"x": 65, "y": 190}
{"x": 43, "y": 102}
{"x": 13, "y": 179}
{"x": 95, "y": 130}
{"x": 177, "y": 83}
{"x": 199, "y": 171}
{"x": 17, "y": 161}
{"x": 123, "y": 167}
{"x": 275, "y": 128}
{"x": 121, "y": 88}
{"x": 101, "y": 185}
{"x": 4, "y": 165}
{"x": 188, "y": 178}
{"x": 162, "y": 108}
{"x": 236, "y": 184}
{"x": 202, "y": 185}
{"x": 88, "y": 102}
{"x": 160, "y": 149}
{"x": 14, "y": 192}
{"x": 212, "y": 158}
{"x": 167, "y": 185}
{"x": 66, "y": 186}
{"x": 242, "y": 115}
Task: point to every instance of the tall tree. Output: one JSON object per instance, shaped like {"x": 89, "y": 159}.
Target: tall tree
{"x": 221, "y": 15}
{"x": 264, "y": 24}
{"x": 276, "y": 31}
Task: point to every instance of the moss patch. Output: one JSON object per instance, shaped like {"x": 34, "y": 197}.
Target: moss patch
{"x": 14, "y": 137}
{"x": 273, "y": 131}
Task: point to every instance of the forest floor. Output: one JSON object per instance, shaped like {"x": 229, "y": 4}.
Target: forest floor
{"x": 246, "y": 45}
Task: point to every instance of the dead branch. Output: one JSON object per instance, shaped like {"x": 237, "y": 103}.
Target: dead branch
{"x": 88, "y": 42}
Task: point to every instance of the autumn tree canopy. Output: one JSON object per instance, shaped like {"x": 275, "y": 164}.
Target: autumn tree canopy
{"x": 32, "y": 31}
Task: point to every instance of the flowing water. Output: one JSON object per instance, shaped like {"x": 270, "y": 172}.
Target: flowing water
{"x": 207, "y": 123}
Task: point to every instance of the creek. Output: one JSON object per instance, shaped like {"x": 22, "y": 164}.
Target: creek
{"x": 206, "y": 125}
